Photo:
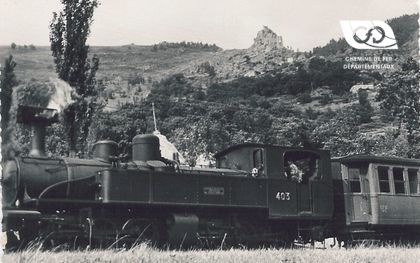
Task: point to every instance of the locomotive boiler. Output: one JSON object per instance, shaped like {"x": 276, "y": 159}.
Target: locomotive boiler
{"x": 257, "y": 195}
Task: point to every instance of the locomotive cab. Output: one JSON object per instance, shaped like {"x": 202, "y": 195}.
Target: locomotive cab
{"x": 298, "y": 180}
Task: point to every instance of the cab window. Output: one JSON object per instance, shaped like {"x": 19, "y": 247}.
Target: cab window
{"x": 258, "y": 158}
{"x": 301, "y": 166}
{"x": 258, "y": 162}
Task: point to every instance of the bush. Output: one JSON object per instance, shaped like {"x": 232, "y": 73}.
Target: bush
{"x": 325, "y": 99}
{"x": 134, "y": 80}
{"x": 206, "y": 68}
{"x": 365, "y": 110}
{"x": 304, "y": 98}
{"x": 311, "y": 113}
{"x": 190, "y": 45}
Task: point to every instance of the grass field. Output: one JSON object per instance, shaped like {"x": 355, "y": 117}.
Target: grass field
{"x": 146, "y": 254}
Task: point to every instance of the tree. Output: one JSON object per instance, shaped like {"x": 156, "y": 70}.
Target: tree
{"x": 13, "y": 45}
{"x": 7, "y": 82}
{"x": 17, "y": 137}
{"x": 400, "y": 96}
{"x": 365, "y": 110}
{"x": 337, "y": 133}
{"x": 120, "y": 126}
{"x": 68, "y": 34}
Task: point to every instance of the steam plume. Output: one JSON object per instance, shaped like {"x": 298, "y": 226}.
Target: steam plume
{"x": 62, "y": 95}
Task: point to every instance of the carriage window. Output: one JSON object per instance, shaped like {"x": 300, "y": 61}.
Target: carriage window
{"x": 383, "y": 179}
{"x": 354, "y": 180}
{"x": 413, "y": 180}
{"x": 301, "y": 166}
{"x": 398, "y": 174}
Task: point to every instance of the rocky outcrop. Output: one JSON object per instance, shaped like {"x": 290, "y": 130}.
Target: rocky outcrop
{"x": 267, "y": 41}
{"x": 267, "y": 54}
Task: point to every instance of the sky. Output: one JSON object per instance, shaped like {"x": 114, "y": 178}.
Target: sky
{"x": 303, "y": 24}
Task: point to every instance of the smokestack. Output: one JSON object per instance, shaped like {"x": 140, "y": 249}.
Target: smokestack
{"x": 38, "y": 141}
{"x": 39, "y": 119}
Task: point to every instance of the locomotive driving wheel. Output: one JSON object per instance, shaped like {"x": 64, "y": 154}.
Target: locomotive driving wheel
{"x": 136, "y": 231}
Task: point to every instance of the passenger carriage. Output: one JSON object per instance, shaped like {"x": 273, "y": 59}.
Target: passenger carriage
{"x": 376, "y": 198}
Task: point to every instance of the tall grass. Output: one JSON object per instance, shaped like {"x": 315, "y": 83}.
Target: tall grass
{"x": 144, "y": 253}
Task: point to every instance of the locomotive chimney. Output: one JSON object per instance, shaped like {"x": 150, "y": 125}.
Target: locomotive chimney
{"x": 38, "y": 118}
{"x": 38, "y": 140}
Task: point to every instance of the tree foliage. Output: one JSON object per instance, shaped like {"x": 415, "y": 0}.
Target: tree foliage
{"x": 404, "y": 27}
{"x": 7, "y": 83}
{"x": 400, "y": 96}
{"x": 68, "y": 34}
{"x": 185, "y": 45}
{"x": 33, "y": 93}
{"x": 320, "y": 72}
{"x": 120, "y": 126}
{"x": 337, "y": 133}
{"x": 365, "y": 110}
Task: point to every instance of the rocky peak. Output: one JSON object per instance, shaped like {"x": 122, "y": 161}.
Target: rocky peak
{"x": 267, "y": 40}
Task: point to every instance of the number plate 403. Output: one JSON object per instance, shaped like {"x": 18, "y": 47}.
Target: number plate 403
{"x": 283, "y": 196}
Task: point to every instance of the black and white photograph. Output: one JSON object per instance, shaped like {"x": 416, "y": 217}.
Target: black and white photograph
{"x": 210, "y": 131}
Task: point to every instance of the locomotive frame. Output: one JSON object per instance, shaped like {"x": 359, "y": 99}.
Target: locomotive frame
{"x": 205, "y": 207}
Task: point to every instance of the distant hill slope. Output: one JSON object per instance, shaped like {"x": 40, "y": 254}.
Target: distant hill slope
{"x": 266, "y": 93}
{"x": 121, "y": 61}
{"x": 126, "y": 71}
{"x": 406, "y": 30}
{"x": 129, "y": 72}
{"x": 164, "y": 59}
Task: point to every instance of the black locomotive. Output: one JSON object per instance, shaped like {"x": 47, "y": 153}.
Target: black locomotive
{"x": 258, "y": 195}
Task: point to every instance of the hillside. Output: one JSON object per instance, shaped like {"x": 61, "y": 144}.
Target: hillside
{"x": 406, "y": 30}
{"x": 129, "y": 71}
{"x": 118, "y": 65}
{"x": 208, "y": 98}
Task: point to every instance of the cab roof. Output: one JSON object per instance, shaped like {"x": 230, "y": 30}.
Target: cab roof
{"x": 261, "y": 145}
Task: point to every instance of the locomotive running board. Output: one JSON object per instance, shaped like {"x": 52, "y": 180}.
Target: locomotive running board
{"x": 13, "y": 218}
{"x": 31, "y": 214}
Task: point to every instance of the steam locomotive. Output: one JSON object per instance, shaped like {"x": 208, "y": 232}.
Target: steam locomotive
{"x": 251, "y": 198}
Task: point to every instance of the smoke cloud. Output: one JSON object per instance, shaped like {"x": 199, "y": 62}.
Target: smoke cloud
{"x": 61, "y": 96}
